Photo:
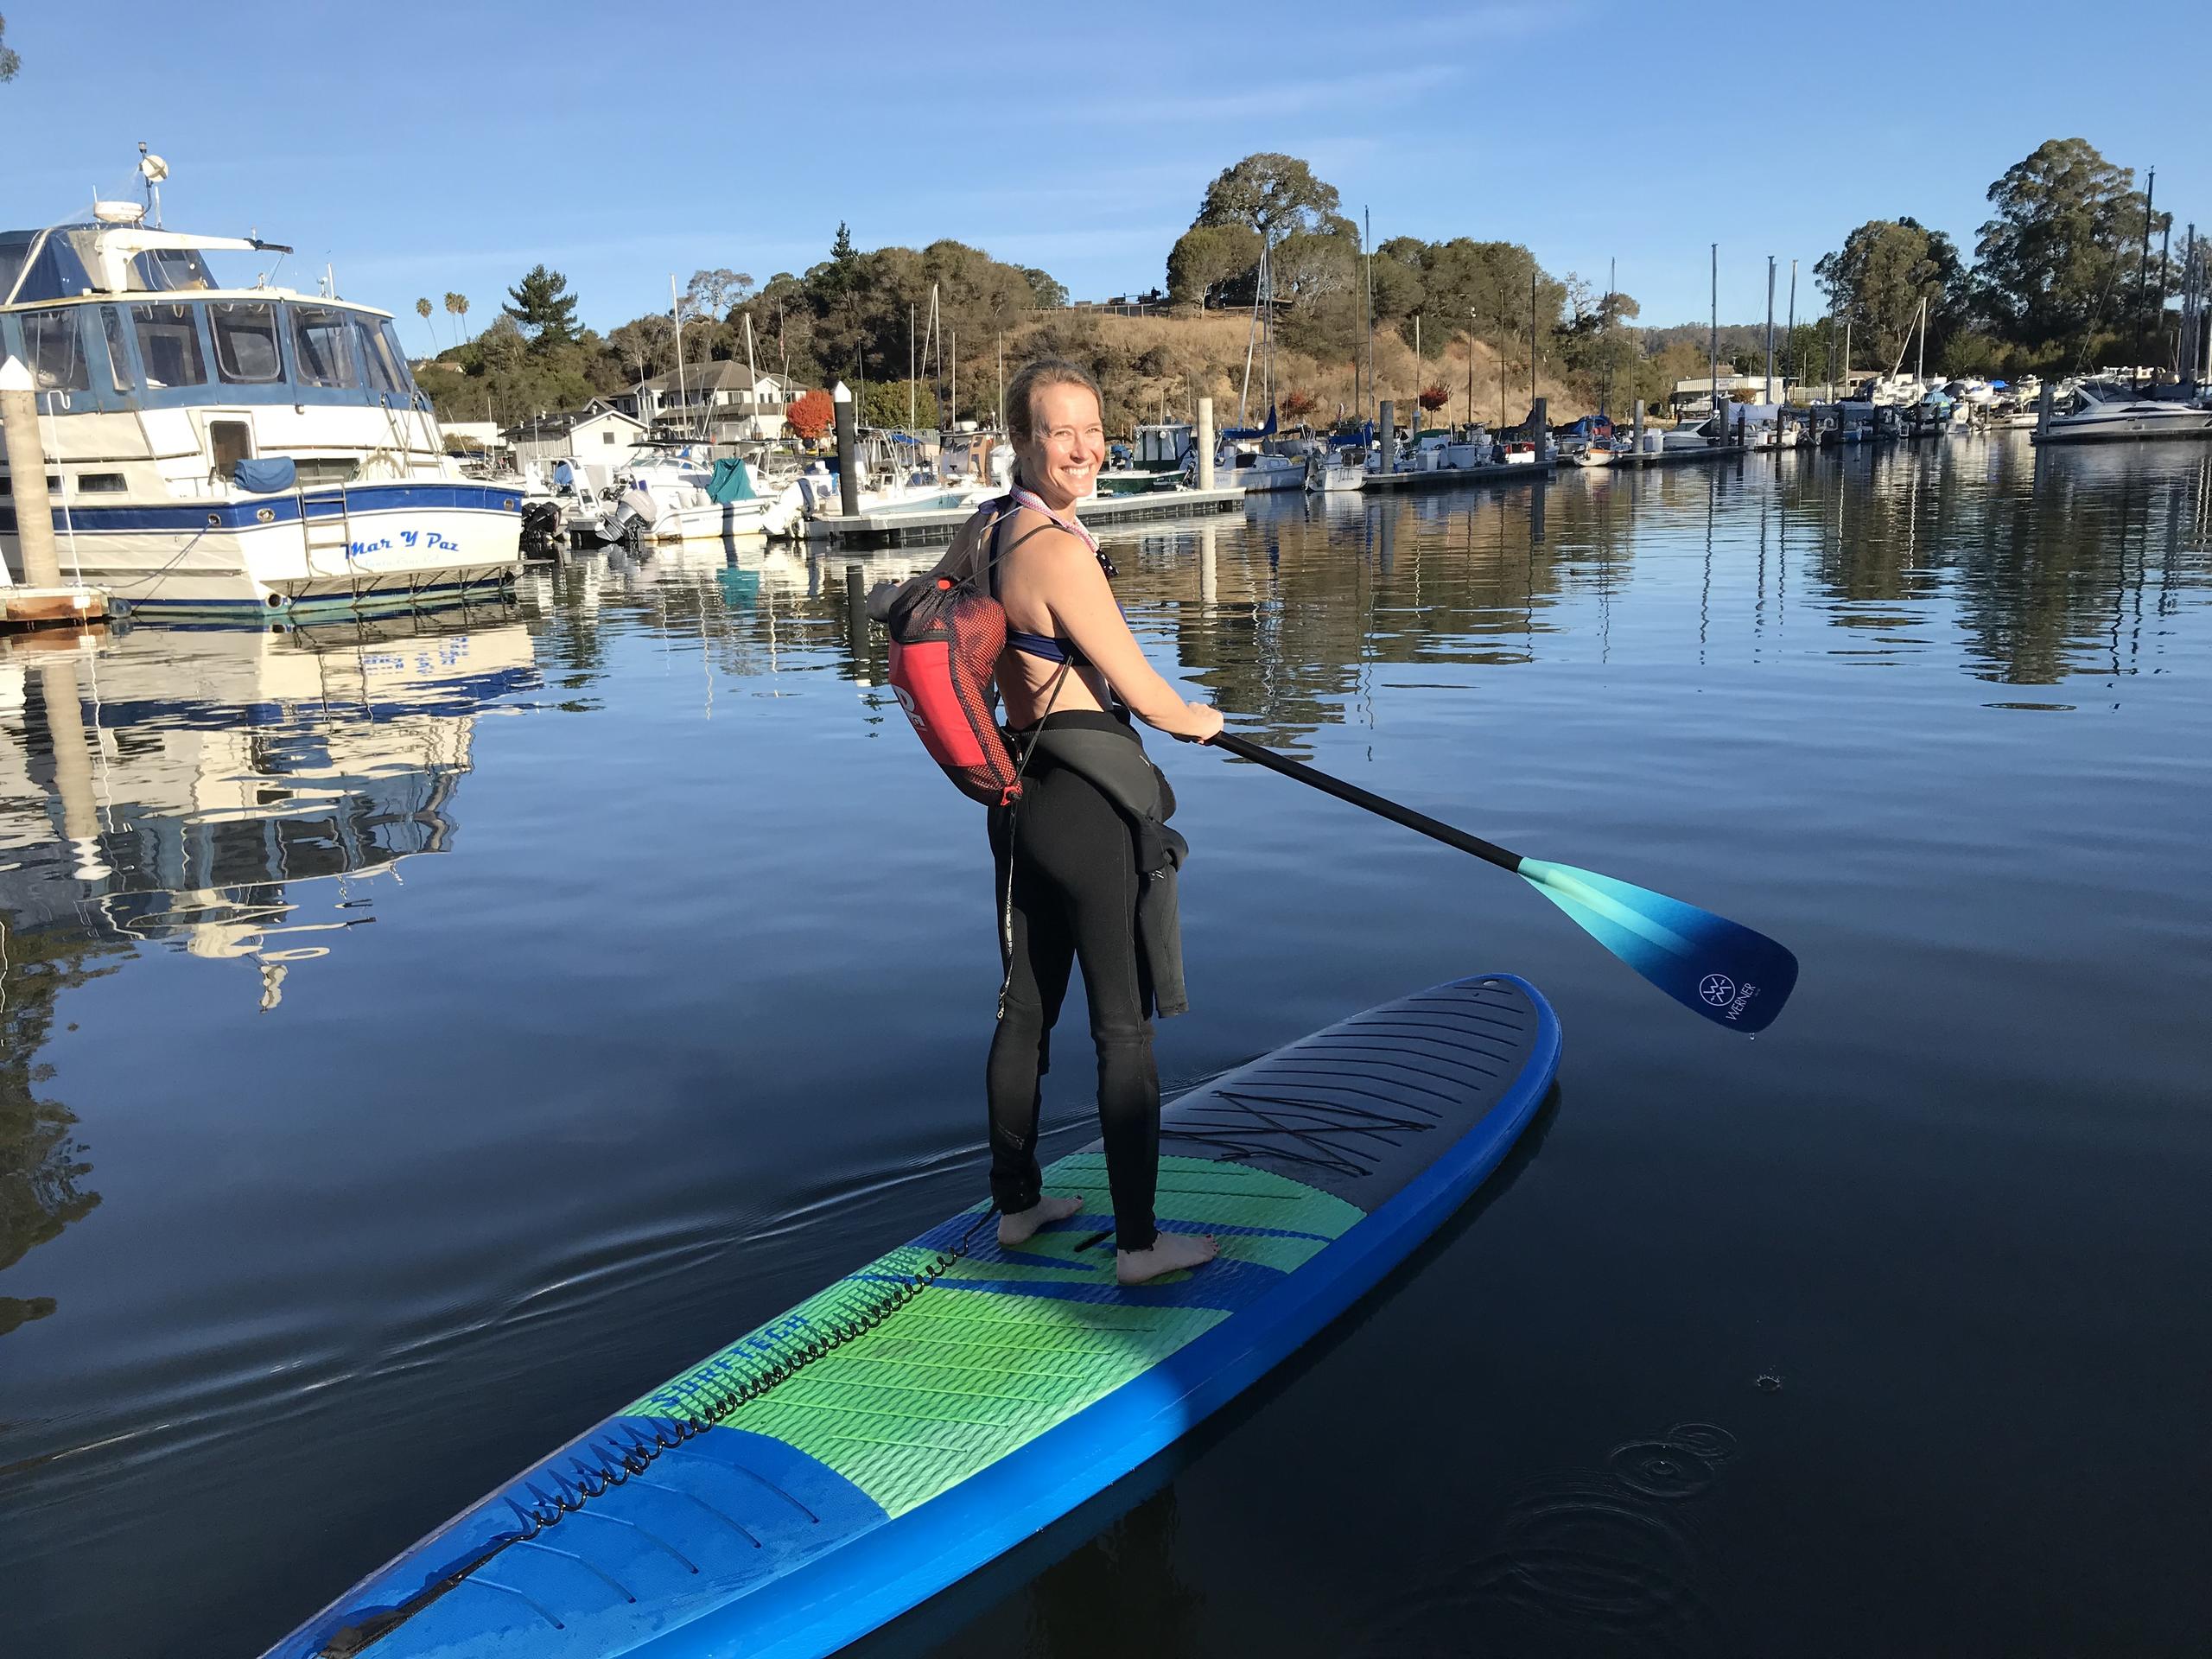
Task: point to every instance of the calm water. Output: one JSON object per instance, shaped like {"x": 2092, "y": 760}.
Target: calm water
{"x": 420, "y": 1041}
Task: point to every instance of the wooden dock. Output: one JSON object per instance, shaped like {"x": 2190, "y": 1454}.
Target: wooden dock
{"x": 1443, "y": 478}
{"x": 44, "y": 607}
{"x": 923, "y": 528}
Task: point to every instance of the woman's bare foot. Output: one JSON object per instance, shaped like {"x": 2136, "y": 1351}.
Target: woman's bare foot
{"x": 1022, "y": 1226}
{"x": 1169, "y": 1252}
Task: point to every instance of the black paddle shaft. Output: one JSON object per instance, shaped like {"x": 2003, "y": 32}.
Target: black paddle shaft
{"x": 1246, "y": 749}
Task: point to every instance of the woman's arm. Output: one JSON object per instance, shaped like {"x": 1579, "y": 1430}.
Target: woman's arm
{"x": 1081, "y": 604}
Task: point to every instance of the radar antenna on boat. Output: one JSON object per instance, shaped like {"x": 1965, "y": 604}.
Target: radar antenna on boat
{"x": 153, "y": 170}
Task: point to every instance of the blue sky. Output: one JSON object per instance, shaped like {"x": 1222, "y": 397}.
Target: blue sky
{"x": 424, "y": 148}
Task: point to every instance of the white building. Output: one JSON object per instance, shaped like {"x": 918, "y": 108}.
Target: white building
{"x": 720, "y": 403}
{"x": 599, "y": 437}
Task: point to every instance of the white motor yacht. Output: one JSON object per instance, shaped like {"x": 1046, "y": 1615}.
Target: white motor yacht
{"x": 2104, "y": 411}
{"x": 240, "y": 450}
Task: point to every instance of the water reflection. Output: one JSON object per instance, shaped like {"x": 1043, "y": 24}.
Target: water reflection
{"x": 2020, "y": 570}
{"x": 196, "y": 790}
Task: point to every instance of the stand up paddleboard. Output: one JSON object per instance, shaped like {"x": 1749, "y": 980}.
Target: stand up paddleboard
{"x": 925, "y": 1414}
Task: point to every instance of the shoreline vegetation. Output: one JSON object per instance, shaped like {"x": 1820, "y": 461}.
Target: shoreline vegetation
{"x": 2074, "y": 270}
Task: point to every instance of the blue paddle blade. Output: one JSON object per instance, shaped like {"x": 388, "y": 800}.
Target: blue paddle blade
{"x": 1709, "y": 964}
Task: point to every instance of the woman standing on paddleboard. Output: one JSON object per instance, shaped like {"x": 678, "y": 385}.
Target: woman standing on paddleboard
{"x": 1079, "y": 856}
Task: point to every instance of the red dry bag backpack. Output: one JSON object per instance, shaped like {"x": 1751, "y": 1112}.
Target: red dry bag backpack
{"x": 946, "y": 633}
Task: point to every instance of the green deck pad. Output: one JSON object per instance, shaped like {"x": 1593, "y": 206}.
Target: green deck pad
{"x": 1007, "y": 1345}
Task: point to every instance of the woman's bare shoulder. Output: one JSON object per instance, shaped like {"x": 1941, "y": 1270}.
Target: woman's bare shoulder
{"x": 1050, "y": 551}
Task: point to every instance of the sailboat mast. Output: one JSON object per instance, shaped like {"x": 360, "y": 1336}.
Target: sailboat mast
{"x": 1366, "y": 245}
{"x": 752, "y": 375}
{"x": 1714, "y": 362}
{"x": 1766, "y": 394}
{"x": 1606, "y": 332}
{"x": 1251, "y": 336}
{"x": 1789, "y": 338}
{"x": 676, "y": 316}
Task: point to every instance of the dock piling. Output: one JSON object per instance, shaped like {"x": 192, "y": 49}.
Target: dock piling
{"x": 1540, "y": 422}
{"x": 1206, "y": 443}
{"x": 1388, "y": 434}
{"x": 1636, "y": 443}
{"x": 849, "y": 445}
{"x": 27, "y": 475}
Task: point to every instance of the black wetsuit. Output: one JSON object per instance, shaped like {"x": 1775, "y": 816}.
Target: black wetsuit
{"x": 1071, "y": 860}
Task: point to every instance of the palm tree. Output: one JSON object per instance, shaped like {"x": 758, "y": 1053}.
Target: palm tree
{"x": 423, "y": 310}
{"x": 463, "y": 309}
{"x": 455, "y": 304}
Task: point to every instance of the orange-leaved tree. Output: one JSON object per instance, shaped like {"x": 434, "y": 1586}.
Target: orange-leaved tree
{"x": 1433, "y": 398}
{"x": 811, "y": 415}
{"x": 1298, "y": 404}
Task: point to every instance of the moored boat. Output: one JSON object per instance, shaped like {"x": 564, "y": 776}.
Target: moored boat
{"x": 243, "y": 450}
{"x": 2104, "y": 411}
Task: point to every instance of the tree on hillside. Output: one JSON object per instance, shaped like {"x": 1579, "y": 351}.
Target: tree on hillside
{"x": 1271, "y": 194}
{"x": 2058, "y": 260}
{"x": 1297, "y": 404}
{"x": 1880, "y": 277}
{"x": 1206, "y": 258}
{"x": 713, "y": 292}
{"x": 542, "y": 305}
{"x": 643, "y": 347}
{"x": 885, "y": 404}
{"x": 1603, "y": 357}
{"x": 1047, "y": 293}
{"x": 1395, "y": 276}
{"x": 1433, "y": 399}
{"x": 10, "y": 63}
{"x": 811, "y": 415}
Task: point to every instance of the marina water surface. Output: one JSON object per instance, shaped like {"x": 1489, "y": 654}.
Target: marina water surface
{"x": 423, "y": 1038}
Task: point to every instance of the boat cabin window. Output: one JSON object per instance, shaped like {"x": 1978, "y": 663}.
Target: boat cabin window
{"x": 118, "y": 354}
{"x": 229, "y": 443}
{"x": 49, "y": 269}
{"x": 55, "y": 346}
{"x": 322, "y": 347}
{"x": 165, "y": 270}
{"x": 169, "y": 344}
{"x": 100, "y": 484}
{"x": 387, "y": 370}
{"x": 246, "y": 341}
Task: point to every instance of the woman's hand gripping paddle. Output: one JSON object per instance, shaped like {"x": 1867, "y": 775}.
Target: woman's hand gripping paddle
{"x": 1709, "y": 964}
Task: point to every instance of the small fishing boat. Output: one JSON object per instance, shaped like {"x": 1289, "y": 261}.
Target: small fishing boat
{"x": 1335, "y": 471}
{"x": 672, "y": 497}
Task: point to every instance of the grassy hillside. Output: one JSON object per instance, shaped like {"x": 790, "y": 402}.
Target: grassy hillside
{"x": 1141, "y": 360}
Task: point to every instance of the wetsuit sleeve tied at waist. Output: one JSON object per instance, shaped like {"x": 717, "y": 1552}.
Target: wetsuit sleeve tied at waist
{"x": 1110, "y": 757}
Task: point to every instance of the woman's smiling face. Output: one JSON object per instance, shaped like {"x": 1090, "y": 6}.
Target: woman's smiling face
{"x": 1067, "y": 443}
